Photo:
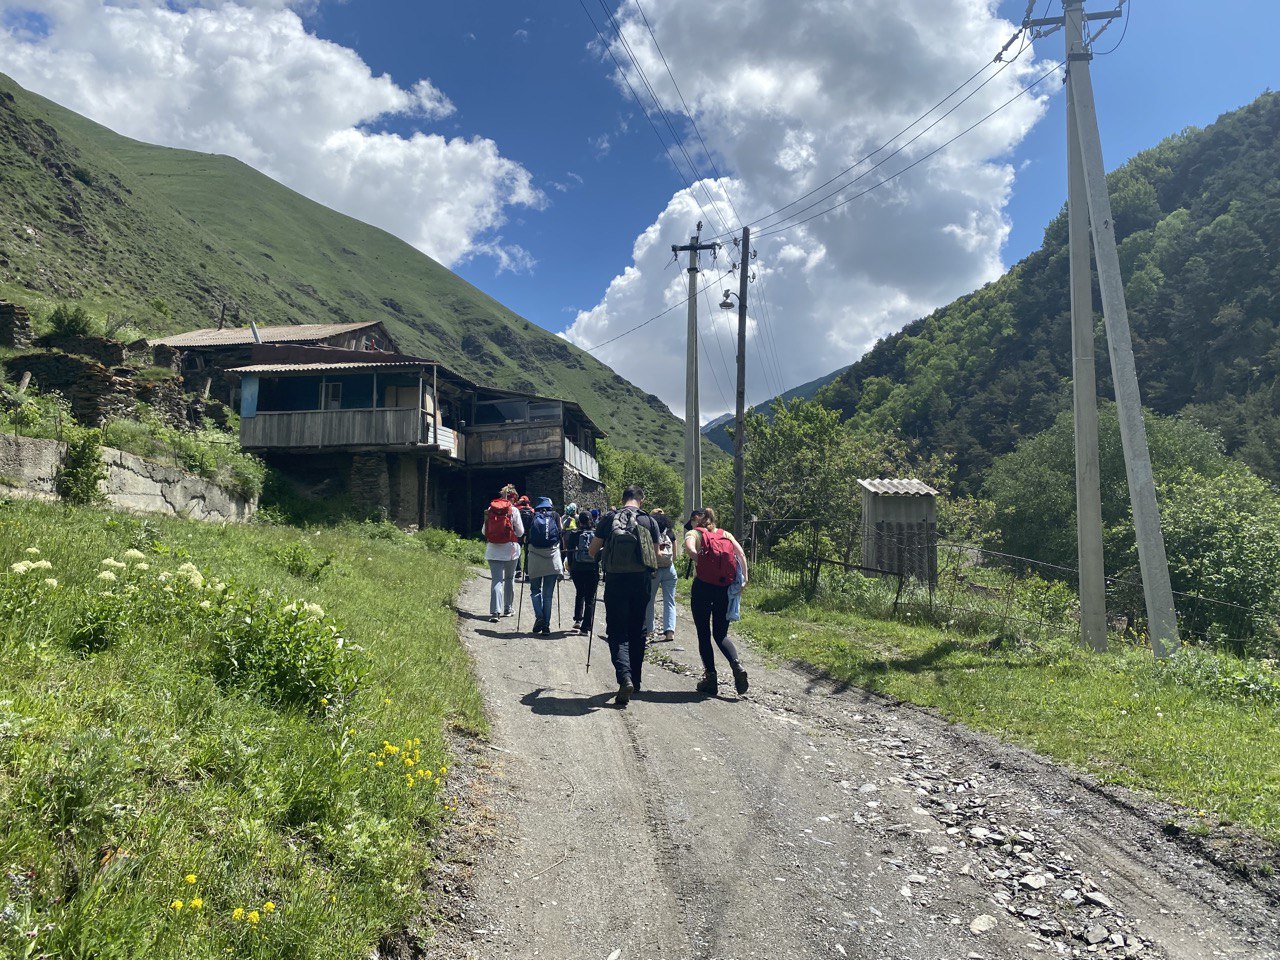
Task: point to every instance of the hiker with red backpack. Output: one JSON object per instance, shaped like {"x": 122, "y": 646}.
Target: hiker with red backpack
{"x": 544, "y": 566}
{"x": 503, "y": 530}
{"x": 720, "y": 561}
{"x": 625, "y": 541}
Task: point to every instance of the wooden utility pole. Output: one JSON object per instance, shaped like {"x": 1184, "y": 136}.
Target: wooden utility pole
{"x": 740, "y": 422}
{"x": 692, "y": 418}
{"x": 1085, "y": 160}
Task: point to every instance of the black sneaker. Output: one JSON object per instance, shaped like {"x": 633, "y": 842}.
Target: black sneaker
{"x": 493, "y": 619}
{"x": 708, "y": 684}
{"x": 740, "y": 682}
{"x": 625, "y": 690}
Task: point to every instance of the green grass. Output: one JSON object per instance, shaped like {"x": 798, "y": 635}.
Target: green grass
{"x": 172, "y": 752}
{"x": 168, "y": 235}
{"x": 1118, "y": 715}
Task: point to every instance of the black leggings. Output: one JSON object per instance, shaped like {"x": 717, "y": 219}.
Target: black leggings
{"x": 586, "y": 580}
{"x": 710, "y": 607}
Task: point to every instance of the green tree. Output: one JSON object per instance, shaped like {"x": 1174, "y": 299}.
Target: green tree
{"x": 619, "y": 469}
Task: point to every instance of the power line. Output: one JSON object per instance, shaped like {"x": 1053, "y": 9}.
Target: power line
{"x": 1128, "y": 10}
{"x": 656, "y": 316}
{"x": 932, "y": 153}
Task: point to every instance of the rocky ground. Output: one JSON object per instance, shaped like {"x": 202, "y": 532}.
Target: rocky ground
{"x": 806, "y": 819}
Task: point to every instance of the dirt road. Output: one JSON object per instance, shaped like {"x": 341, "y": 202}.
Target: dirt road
{"x": 803, "y": 820}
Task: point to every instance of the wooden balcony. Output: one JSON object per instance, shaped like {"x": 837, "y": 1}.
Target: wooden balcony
{"x": 345, "y": 430}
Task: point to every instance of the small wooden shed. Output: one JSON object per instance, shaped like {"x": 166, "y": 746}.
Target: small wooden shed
{"x": 900, "y": 528}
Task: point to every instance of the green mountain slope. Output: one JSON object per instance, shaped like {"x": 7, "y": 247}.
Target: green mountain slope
{"x": 717, "y": 431}
{"x": 1198, "y": 220}
{"x": 167, "y": 236}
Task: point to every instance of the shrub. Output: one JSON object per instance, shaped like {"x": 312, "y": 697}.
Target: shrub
{"x": 72, "y": 321}
{"x": 209, "y": 453}
{"x": 82, "y": 468}
{"x": 302, "y": 562}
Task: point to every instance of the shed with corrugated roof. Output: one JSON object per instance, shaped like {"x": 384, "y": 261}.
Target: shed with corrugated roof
{"x": 900, "y": 528}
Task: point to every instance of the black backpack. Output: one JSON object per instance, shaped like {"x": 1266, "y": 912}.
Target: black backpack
{"x": 582, "y": 552}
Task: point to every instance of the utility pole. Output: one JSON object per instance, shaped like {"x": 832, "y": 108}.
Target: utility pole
{"x": 1086, "y": 160}
{"x": 740, "y": 423}
{"x": 692, "y": 418}
{"x": 1084, "y": 383}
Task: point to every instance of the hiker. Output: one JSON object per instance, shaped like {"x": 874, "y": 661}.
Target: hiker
{"x": 624, "y": 540}
{"x": 543, "y": 566}
{"x": 719, "y": 561}
{"x": 568, "y": 535}
{"x": 664, "y": 579}
{"x": 526, "y": 517}
{"x": 585, "y": 571}
{"x": 695, "y": 517}
{"x": 503, "y": 530}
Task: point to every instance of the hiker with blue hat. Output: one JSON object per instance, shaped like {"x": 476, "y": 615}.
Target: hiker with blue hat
{"x": 545, "y": 565}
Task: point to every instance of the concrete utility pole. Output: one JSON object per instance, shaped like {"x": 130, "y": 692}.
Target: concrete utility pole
{"x": 1093, "y": 585}
{"x": 692, "y": 418}
{"x": 1085, "y": 161}
{"x": 740, "y": 423}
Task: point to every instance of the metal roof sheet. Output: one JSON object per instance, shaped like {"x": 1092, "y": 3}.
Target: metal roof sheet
{"x": 287, "y": 333}
{"x": 902, "y": 488}
{"x": 329, "y": 367}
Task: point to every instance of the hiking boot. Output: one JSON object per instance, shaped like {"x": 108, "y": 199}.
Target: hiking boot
{"x": 577, "y": 624}
{"x": 669, "y": 636}
{"x": 708, "y": 684}
{"x": 625, "y": 690}
{"x": 740, "y": 682}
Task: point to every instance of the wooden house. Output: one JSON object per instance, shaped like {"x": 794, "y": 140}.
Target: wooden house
{"x": 342, "y": 411}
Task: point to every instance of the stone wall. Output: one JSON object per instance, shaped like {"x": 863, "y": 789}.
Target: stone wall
{"x": 96, "y": 393}
{"x": 369, "y": 484}
{"x": 564, "y": 486}
{"x": 15, "y": 325}
{"x": 108, "y": 352}
{"x": 29, "y": 467}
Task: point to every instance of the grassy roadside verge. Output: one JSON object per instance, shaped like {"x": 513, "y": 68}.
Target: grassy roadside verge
{"x": 1182, "y": 733}
{"x": 191, "y": 764}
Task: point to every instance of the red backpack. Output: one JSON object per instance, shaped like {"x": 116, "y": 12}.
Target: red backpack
{"x": 498, "y": 526}
{"x": 717, "y": 559}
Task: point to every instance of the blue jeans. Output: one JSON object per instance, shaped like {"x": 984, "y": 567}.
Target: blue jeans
{"x": 665, "y": 579}
{"x": 502, "y": 592}
{"x": 543, "y": 592}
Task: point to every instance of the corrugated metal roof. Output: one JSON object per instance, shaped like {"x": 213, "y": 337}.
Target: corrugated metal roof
{"x": 328, "y": 367}
{"x": 288, "y": 333}
{"x": 902, "y": 488}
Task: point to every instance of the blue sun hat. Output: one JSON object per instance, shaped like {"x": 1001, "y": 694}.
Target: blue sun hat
{"x": 544, "y": 503}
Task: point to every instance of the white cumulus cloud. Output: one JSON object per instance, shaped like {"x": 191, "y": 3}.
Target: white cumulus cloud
{"x": 786, "y": 97}
{"x": 247, "y": 79}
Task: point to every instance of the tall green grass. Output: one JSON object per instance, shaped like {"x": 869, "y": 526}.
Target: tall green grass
{"x": 174, "y": 788}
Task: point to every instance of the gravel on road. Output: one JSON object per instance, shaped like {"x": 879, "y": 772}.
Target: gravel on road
{"x": 806, "y": 819}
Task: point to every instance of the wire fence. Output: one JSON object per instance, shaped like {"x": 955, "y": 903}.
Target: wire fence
{"x": 975, "y": 589}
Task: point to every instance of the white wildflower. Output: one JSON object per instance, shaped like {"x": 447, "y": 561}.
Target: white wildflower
{"x": 313, "y": 610}
{"x": 32, "y": 551}
{"x": 50, "y": 583}
{"x": 133, "y": 554}
{"x": 205, "y": 604}
{"x": 40, "y": 565}
{"x": 142, "y": 566}
{"x": 21, "y": 567}
{"x": 164, "y": 576}
{"x": 290, "y": 608}
{"x": 108, "y": 576}
{"x": 113, "y": 563}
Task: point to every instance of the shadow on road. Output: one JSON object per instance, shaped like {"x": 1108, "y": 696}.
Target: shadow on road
{"x": 671, "y": 696}
{"x": 576, "y": 706}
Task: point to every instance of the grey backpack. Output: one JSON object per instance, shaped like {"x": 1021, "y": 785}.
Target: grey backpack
{"x": 629, "y": 548}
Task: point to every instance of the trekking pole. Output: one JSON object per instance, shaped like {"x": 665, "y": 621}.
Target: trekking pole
{"x": 559, "y": 622}
{"x": 520, "y": 608}
{"x": 592, "y": 632}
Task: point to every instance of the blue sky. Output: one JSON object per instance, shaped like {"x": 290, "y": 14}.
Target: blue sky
{"x": 497, "y": 138}
{"x": 543, "y": 96}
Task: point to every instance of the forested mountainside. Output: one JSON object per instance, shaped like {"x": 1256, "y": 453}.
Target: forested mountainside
{"x": 1198, "y": 220}
{"x": 717, "y": 431}
{"x": 167, "y": 236}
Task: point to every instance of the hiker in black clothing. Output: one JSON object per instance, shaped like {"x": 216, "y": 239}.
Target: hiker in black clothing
{"x": 526, "y": 518}
{"x": 585, "y": 571}
{"x": 626, "y": 537}
{"x": 720, "y": 560}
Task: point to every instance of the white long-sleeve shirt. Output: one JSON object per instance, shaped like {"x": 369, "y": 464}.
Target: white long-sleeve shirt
{"x": 506, "y": 551}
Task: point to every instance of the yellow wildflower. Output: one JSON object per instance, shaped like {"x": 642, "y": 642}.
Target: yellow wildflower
{"x": 268, "y": 907}
{"x": 176, "y": 906}
{"x": 190, "y": 879}
{"x": 408, "y": 761}
{"x": 381, "y": 764}
{"x": 196, "y": 903}
{"x": 408, "y": 778}
{"x": 237, "y": 913}
{"x": 253, "y": 916}
{"x": 443, "y": 769}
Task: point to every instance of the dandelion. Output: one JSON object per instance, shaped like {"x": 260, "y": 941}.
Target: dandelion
{"x": 324, "y": 701}
{"x": 134, "y": 554}
{"x": 443, "y": 769}
{"x": 108, "y": 576}
{"x": 237, "y": 913}
{"x": 196, "y": 903}
{"x": 253, "y": 916}
{"x": 268, "y": 907}
{"x": 32, "y": 551}
{"x": 176, "y": 906}
{"x": 190, "y": 879}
